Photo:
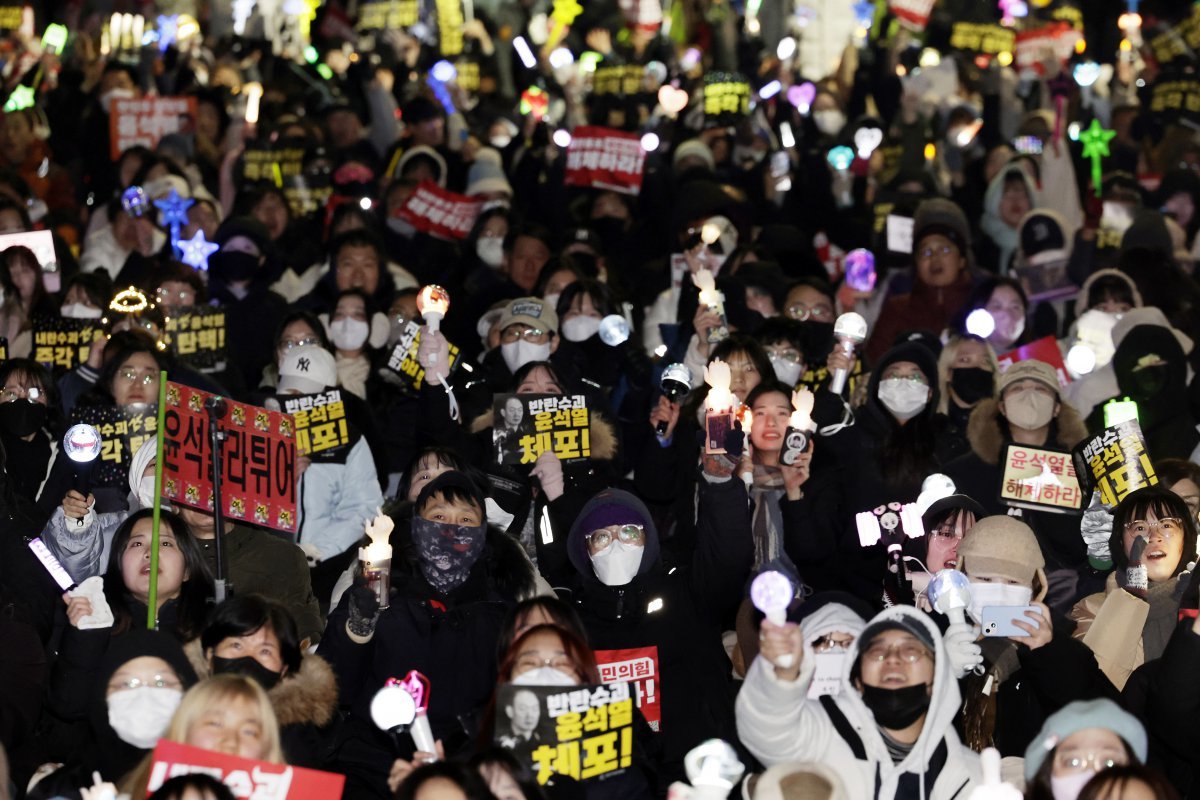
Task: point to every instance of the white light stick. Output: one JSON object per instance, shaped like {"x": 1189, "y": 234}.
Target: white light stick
{"x": 850, "y": 330}
{"x": 950, "y": 593}
{"x": 82, "y": 444}
{"x": 403, "y": 703}
{"x": 254, "y": 93}
{"x": 802, "y": 403}
{"x": 771, "y": 592}
{"x": 52, "y": 565}
{"x": 706, "y": 282}
{"x": 433, "y": 302}
{"x": 376, "y": 557}
{"x": 719, "y": 398}
{"x": 747, "y": 475}
{"x": 981, "y": 323}
{"x": 993, "y": 787}
{"x": 713, "y": 765}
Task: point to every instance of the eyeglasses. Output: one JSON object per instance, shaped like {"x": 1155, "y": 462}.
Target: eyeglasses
{"x": 917, "y": 379}
{"x": 927, "y": 253}
{"x": 804, "y": 313}
{"x": 832, "y": 644}
{"x": 1075, "y": 762}
{"x": 159, "y": 682}
{"x": 946, "y": 532}
{"x": 529, "y": 661}
{"x": 9, "y": 394}
{"x": 1167, "y": 526}
{"x": 514, "y": 332}
{"x": 132, "y": 376}
{"x": 288, "y": 344}
{"x": 184, "y": 296}
{"x": 909, "y": 652}
{"x": 629, "y": 534}
{"x": 790, "y": 356}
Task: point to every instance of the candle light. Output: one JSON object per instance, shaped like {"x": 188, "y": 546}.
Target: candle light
{"x": 376, "y": 557}
{"x": 719, "y": 399}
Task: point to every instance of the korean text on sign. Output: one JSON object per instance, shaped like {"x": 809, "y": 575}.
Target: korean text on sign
{"x": 320, "y": 422}
{"x": 1115, "y": 462}
{"x": 198, "y": 337}
{"x": 639, "y": 666}
{"x": 433, "y": 210}
{"x": 122, "y": 432}
{"x": 403, "y": 359}
{"x": 62, "y": 344}
{"x": 601, "y": 158}
{"x": 146, "y": 120}
{"x": 726, "y": 97}
{"x": 1040, "y": 479}
{"x": 247, "y": 779}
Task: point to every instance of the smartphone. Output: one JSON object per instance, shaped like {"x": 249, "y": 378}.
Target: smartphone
{"x": 998, "y": 620}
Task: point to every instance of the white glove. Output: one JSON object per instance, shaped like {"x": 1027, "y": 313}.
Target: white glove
{"x": 962, "y": 649}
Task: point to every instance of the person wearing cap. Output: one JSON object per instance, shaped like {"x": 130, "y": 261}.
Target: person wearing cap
{"x": 451, "y": 587}
{"x": 1027, "y": 409}
{"x": 889, "y": 733}
{"x": 945, "y": 522}
{"x": 1081, "y": 739}
{"x": 941, "y": 277}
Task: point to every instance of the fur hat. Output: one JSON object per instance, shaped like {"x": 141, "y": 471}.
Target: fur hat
{"x": 1004, "y": 546}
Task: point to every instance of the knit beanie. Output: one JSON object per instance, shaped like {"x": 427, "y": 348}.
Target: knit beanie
{"x": 941, "y": 216}
{"x": 486, "y": 174}
{"x": 1081, "y": 715}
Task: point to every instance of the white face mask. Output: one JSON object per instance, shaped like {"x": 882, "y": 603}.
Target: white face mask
{"x": 146, "y": 491}
{"x": 402, "y": 227}
{"x": 1029, "y": 409}
{"x": 617, "y": 564}
{"x": 787, "y": 371}
{"x": 140, "y": 716}
{"x": 544, "y": 676}
{"x": 988, "y": 595}
{"x": 106, "y": 99}
{"x": 79, "y": 311}
{"x": 490, "y": 250}
{"x": 348, "y": 333}
{"x": 904, "y": 398}
{"x": 1008, "y": 326}
{"x": 577, "y": 329}
{"x": 519, "y": 353}
{"x": 1069, "y": 787}
{"x": 829, "y": 122}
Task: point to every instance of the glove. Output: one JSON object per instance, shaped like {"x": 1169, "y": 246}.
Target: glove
{"x": 735, "y": 440}
{"x": 1136, "y": 581}
{"x": 962, "y": 649}
{"x": 549, "y": 472}
{"x": 364, "y": 610}
{"x": 1096, "y": 527}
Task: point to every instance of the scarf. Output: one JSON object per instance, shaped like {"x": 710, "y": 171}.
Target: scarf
{"x": 767, "y": 519}
{"x": 353, "y": 373}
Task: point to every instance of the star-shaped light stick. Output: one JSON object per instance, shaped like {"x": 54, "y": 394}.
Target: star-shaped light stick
{"x": 174, "y": 215}
{"x": 1095, "y": 146}
{"x": 195, "y": 251}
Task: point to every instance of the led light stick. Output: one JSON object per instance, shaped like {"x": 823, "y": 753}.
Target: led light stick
{"x": 800, "y": 427}
{"x": 719, "y": 399}
{"x": 981, "y": 323}
{"x": 614, "y": 330}
{"x": 860, "y": 270}
{"x": 801, "y": 96}
{"x": 376, "y": 558}
{"x": 402, "y": 705}
{"x": 772, "y": 592}
{"x": 840, "y": 158}
{"x": 676, "y": 382}
{"x": 82, "y": 445}
{"x": 950, "y": 593}
{"x": 866, "y": 141}
{"x": 173, "y": 215}
{"x": 433, "y": 302}
{"x": 195, "y": 251}
{"x": 850, "y": 330}
{"x": 1095, "y": 146}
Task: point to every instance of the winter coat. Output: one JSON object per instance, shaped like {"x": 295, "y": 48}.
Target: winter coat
{"x": 1172, "y": 710}
{"x": 778, "y": 723}
{"x": 925, "y": 308}
{"x": 1000, "y": 241}
{"x": 337, "y": 499}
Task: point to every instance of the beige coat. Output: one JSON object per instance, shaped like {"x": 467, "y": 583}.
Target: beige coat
{"x": 1111, "y": 624}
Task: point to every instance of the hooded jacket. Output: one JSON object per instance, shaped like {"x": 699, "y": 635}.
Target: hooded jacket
{"x": 778, "y": 724}
{"x": 1004, "y": 239}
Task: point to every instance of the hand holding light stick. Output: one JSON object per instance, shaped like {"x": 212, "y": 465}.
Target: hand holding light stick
{"x": 772, "y": 592}
{"x": 376, "y": 557}
{"x": 82, "y": 445}
{"x": 850, "y": 330}
{"x": 950, "y": 593}
{"x": 402, "y": 704}
{"x": 711, "y": 299}
{"x": 433, "y": 302}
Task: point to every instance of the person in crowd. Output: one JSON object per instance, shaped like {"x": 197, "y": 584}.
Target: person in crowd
{"x": 25, "y": 298}
{"x": 1079, "y": 741}
{"x": 967, "y": 372}
{"x": 1007, "y": 307}
{"x": 30, "y": 422}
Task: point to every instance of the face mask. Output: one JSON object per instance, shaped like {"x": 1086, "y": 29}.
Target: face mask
{"x": 402, "y": 227}
{"x": 447, "y": 552}
{"x": 146, "y": 491}
{"x": 490, "y": 250}
{"x": 349, "y": 334}
{"x": 829, "y": 122}
{"x": 140, "y": 716}
{"x": 618, "y": 563}
{"x": 1008, "y": 327}
{"x": 1029, "y": 409}
{"x": 972, "y": 384}
{"x": 544, "y": 676}
{"x": 519, "y": 353}
{"x": 500, "y": 141}
{"x": 248, "y": 666}
{"x": 106, "y": 99}
{"x": 79, "y": 311}
{"x": 743, "y": 154}
{"x": 1069, "y": 787}
{"x": 991, "y": 595}
{"x": 1149, "y": 381}
{"x": 232, "y": 265}
{"x": 827, "y": 677}
{"x": 787, "y": 371}
{"x": 903, "y": 398}
{"x": 896, "y": 709}
{"x": 22, "y": 418}
{"x": 578, "y": 329}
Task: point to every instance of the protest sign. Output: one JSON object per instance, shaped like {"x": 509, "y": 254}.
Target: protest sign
{"x": 1115, "y": 463}
{"x": 1178, "y": 41}
{"x": 283, "y": 167}
{"x": 1044, "y": 350}
{"x": 247, "y": 778}
{"x": 899, "y": 233}
{"x": 384, "y": 15}
{"x": 581, "y": 732}
{"x": 622, "y": 80}
{"x": 197, "y": 337}
{"x": 1176, "y": 97}
{"x": 322, "y": 432}
{"x": 440, "y": 212}
{"x": 638, "y": 666}
{"x": 1041, "y": 479}
{"x": 3, "y": 349}
{"x": 987, "y": 38}
{"x": 726, "y": 98}
{"x": 403, "y": 359}
{"x": 122, "y": 432}
{"x": 527, "y": 425}
{"x": 146, "y": 120}
{"x": 450, "y": 26}
{"x": 11, "y": 15}
{"x": 61, "y": 343}
{"x": 602, "y": 158}
{"x": 912, "y": 14}
{"x": 258, "y": 467}
{"x": 1034, "y": 47}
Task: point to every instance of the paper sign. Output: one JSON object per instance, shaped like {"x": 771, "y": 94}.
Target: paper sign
{"x": 1054, "y": 41}
{"x": 246, "y": 778}
{"x": 583, "y": 732}
{"x": 899, "y": 234}
{"x": 383, "y": 15}
{"x": 639, "y": 666}
{"x": 527, "y": 425}
{"x": 322, "y": 432}
{"x": 61, "y": 344}
{"x": 912, "y": 14}
{"x": 145, "y": 121}
{"x": 403, "y": 360}
{"x": 982, "y": 38}
{"x": 40, "y": 242}
{"x": 1040, "y": 479}
{"x": 1115, "y": 463}
{"x": 1176, "y": 97}
{"x": 197, "y": 337}
{"x": 258, "y": 472}
{"x": 622, "y": 80}
{"x": 726, "y": 98}
{"x": 122, "y": 432}
{"x": 450, "y": 26}
{"x": 1044, "y": 350}
{"x": 602, "y": 158}
{"x": 439, "y": 212}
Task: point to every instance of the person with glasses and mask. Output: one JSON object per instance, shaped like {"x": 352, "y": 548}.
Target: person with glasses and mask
{"x": 1082, "y": 739}
{"x": 30, "y": 422}
{"x": 811, "y": 302}
{"x": 889, "y": 732}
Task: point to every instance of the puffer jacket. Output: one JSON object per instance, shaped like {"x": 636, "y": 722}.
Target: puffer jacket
{"x": 337, "y": 500}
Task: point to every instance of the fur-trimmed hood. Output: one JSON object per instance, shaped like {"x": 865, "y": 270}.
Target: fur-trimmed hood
{"x": 603, "y": 435}
{"x": 986, "y": 435}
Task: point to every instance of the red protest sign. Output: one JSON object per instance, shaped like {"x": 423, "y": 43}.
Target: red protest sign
{"x": 1044, "y": 349}
{"x": 258, "y": 468}
{"x": 144, "y": 121}
{"x": 1034, "y": 47}
{"x": 913, "y": 14}
{"x": 245, "y": 777}
{"x": 639, "y": 666}
{"x": 603, "y": 158}
{"x": 433, "y": 210}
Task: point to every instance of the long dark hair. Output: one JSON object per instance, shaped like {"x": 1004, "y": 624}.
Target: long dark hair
{"x": 497, "y": 757}
{"x": 737, "y": 343}
{"x": 245, "y": 614}
{"x": 562, "y": 614}
{"x": 1111, "y": 783}
{"x": 469, "y": 781}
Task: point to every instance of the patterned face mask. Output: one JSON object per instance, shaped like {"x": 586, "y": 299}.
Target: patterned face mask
{"x": 448, "y": 552}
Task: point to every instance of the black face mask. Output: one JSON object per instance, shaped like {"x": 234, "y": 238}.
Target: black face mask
{"x": 247, "y": 666}
{"x": 896, "y": 709}
{"x": 1151, "y": 380}
{"x": 972, "y": 384}
{"x": 20, "y": 418}
{"x": 231, "y": 265}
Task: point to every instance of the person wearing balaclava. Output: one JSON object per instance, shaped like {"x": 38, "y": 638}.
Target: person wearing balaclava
{"x": 29, "y": 415}
{"x": 629, "y": 600}
{"x": 450, "y": 590}
{"x": 889, "y": 733}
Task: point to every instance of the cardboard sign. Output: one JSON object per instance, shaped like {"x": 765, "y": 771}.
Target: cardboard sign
{"x": 197, "y": 337}
{"x": 450, "y": 26}
{"x": 912, "y": 14}
{"x": 11, "y": 15}
{"x": 258, "y": 472}
{"x": 61, "y": 344}
{"x": 146, "y": 121}
{"x": 383, "y": 15}
{"x": 602, "y": 158}
{"x": 403, "y": 360}
{"x": 322, "y": 432}
{"x": 527, "y": 425}
{"x": 982, "y": 38}
{"x": 583, "y": 732}
{"x": 40, "y": 242}
{"x": 621, "y": 80}
{"x": 1175, "y": 98}
{"x": 726, "y": 98}
{"x": 1044, "y": 350}
{"x": 639, "y": 666}
{"x": 1040, "y": 479}
{"x": 1115, "y": 463}
{"x": 440, "y": 212}
{"x": 1033, "y": 47}
{"x": 122, "y": 432}
{"x": 246, "y": 778}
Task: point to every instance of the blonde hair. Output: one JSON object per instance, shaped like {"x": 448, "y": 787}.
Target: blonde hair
{"x": 946, "y": 363}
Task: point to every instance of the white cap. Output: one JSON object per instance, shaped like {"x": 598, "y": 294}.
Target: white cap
{"x": 307, "y": 370}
